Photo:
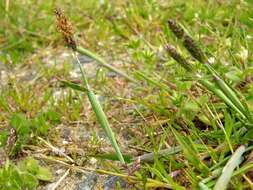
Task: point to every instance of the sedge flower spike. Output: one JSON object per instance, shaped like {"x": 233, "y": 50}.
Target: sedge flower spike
{"x": 65, "y": 28}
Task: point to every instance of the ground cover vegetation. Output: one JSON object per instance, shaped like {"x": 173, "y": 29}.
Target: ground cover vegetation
{"x": 158, "y": 93}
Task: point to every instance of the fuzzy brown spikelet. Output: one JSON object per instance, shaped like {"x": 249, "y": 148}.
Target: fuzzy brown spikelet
{"x": 188, "y": 42}
{"x": 65, "y": 28}
{"x": 177, "y": 57}
{"x": 193, "y": 48}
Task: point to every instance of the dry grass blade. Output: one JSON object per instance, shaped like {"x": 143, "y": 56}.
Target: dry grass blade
{"x": 60, "y": 180}
{"x": 149, "y": 157}
{"x": 150, "y": 183}
{"x": 227, "y": 171}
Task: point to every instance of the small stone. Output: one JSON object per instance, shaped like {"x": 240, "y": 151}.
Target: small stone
{"x": 93, "y": 161}
{"x": 111, "y": 74}
{"x": 111, "y": 181}
{"x": 89, "y": 182}
{"x": 84, "y": 59}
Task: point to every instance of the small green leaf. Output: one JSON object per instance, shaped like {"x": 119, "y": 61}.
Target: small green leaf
{"x": 3, "y": 138}
{"x": 20, "y": 123}
{"x": 52, "y": 116}
{"x": 29, "y": 180}
{"x": 29, "y": 164}
{"x": 44, "y": 174}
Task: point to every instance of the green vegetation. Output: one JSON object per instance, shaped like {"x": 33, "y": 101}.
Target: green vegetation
{"x": 24, "y": 176}
{"x": 174, "y": 80}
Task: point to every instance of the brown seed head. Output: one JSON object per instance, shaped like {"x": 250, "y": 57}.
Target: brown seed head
{"x": 65, "y": 28}
{"x": 178, "y": 57}
{"x": 176, "y": 28}
{"x": 193, "y": 48}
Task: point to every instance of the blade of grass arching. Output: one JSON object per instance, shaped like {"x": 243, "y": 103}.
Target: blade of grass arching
{"x": 161, "y": 174}
{"x": 213, "y": 175}
{"x": 211, "y": 87}
{"x": 230, "y": 94}
{"x": 73, "y": 86}
{"x": 149, "y": 157}
{"x": 243, "y": 169}
{"x": 227, "y": 171}
{"x": 101, "y": 117}
{"x": 113, "y": 157}
{"x": 103, "y": 63}
{"x": 160, "y": 167}
{"x": 227, "y": 90}
{"x": 152, "y": 81}
{"x": 190, "y": 153}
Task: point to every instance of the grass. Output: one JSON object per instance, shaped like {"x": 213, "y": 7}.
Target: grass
{"x": 187, "y": 113}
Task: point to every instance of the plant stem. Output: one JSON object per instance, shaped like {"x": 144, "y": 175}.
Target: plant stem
{"x": 103, "y": 63}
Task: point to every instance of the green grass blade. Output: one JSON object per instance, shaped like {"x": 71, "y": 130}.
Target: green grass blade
{"x": 103, "y": 63}
{"x": 112, "y": 156}
{"x": 190, "y": 153}
{"x": 149, "y": 157}
{"x": 211, "y": 87}
{"x": 228, "y": 91}
{"x": 243, "y": 169}
{"x": 227, "y": 171}
{"x": 101, "y": 117}
{"x": 74, "y": 86}
{"x": 152, "y": 81}
{"x": 230, "y": 94}
{"x": 202, "y": 186}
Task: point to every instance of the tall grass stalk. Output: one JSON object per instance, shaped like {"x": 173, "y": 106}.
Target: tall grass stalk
{"x": 102, "y": 62}
{"x": 65, "y": 28}
{"x": 100, "y": 115}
